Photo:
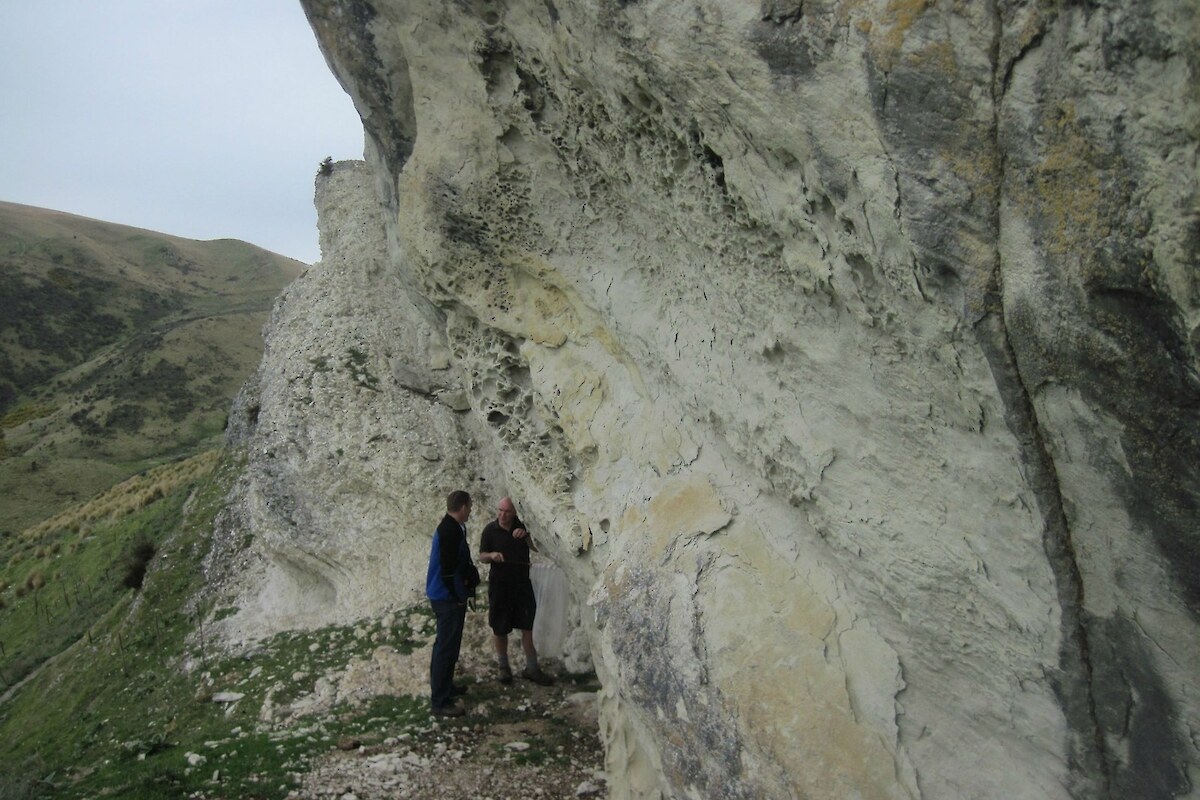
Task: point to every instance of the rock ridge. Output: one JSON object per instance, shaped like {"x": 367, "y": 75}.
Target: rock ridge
{"x": 842, "y": 356}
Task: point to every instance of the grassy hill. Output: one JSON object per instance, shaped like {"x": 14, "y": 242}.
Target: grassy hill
{"x": 130, "y": 696}
{"x": 106, "y": 678}
{"x": 120, "y": 349}
{"x": 120, "y": 352}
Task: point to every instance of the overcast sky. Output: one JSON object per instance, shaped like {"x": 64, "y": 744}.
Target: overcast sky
{"x": 198, "y": 118}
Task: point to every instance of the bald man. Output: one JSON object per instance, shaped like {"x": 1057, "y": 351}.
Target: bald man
{"x": 505, "y": 544}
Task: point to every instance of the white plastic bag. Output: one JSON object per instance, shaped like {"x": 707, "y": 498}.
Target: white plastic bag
{"x": 550, "y": 624}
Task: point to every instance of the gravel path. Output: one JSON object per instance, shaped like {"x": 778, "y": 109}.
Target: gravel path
{"x": 520, "y": 740}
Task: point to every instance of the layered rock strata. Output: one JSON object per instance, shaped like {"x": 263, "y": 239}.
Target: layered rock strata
{"x": 842, "y": 354}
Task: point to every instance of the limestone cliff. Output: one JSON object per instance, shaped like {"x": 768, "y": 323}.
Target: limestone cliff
{"x": 843, "y": 355}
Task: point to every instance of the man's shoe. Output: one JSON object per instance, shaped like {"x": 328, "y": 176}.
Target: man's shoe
{"x": 458, "y": 691}
{"x": 505, "y": 674}
{"x": 537, "y": 676}
{"x": 448, "y": 711}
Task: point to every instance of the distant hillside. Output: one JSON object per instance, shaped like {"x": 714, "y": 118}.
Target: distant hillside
{"x": 119, "y": 348}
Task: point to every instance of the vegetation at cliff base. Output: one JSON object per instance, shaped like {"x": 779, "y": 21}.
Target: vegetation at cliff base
{"x": 122, "y": 691}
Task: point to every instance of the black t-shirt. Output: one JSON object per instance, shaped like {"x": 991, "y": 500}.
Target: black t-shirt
{"x": 515, "y": 567}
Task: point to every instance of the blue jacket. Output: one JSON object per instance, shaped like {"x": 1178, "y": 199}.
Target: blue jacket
{"x": 449, "y": 576}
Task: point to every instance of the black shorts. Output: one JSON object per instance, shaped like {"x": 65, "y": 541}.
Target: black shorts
{"x": 511, "y": 605}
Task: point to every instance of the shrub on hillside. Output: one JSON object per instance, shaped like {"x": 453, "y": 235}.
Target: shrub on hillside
{"x": 136, "y": 563}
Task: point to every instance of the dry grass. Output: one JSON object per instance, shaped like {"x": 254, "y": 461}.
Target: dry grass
{"x": 25, "y": 413}
{"x": 123, "y": 499}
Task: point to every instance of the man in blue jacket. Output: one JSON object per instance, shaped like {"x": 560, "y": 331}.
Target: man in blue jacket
{"x": 450, "y": 582}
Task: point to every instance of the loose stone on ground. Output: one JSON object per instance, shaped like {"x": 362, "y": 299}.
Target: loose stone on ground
{"x": 519, "y": 740}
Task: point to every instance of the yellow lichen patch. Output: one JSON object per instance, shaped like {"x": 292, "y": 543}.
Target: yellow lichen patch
{"x": 1068, "y": 191}
{"x": 898, "y": 18}
{"x": 975, "y": 162}
{"x": 977, "y": 166}
{"x": 523, "y": 299}
{"x": 846, "y": 9}
{"x": 1030, "y": 29}
{"x": 576, "y": 395}
{"x": 683, "y": 507}
{"x": 548, "y": 320}
{"x": 938, "y": 56}
{"x": 782, "y": 680}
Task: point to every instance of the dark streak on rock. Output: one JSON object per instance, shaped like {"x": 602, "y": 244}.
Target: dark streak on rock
{"x": 1073, "y": 684}
{"x": 386, "y": 92}
{"x": 1133, "y": 704}
{"x": 711, "y": 760}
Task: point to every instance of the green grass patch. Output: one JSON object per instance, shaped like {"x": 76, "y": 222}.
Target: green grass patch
{"x": 81, "y": 579}
{"x": 134, "y": 708}
{"x": 72, "y": 721}
{"x": 61, "y": 576}
{"x": 357, "y": 364}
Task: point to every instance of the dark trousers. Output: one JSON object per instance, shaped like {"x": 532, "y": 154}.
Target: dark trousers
{"x": 450, "y": 619}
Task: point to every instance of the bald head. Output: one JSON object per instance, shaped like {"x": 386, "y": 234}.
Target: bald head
{"x": 506, "y": 513}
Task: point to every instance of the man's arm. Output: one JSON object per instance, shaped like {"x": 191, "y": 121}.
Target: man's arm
{"x": 520, "y": 532}
{"x": 448, "y": 542}
{"x": 486, "y": 553}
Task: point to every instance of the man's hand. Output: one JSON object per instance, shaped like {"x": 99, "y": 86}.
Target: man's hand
{"x": 492, "y": 558}
{"x": 520, "y": 533}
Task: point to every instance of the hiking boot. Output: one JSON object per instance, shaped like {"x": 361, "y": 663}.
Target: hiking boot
{"x": 448, "y": 711}
{"x": 537, "y": 676}
{"x": 505, "y": 674}
{"x": 458, "y": 691}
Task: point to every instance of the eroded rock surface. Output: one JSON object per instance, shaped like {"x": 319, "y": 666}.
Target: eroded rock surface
{"x": 842, "y": 354}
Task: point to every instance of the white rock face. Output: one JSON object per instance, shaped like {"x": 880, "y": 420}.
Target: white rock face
{"x": 359, "y": 432}
{"x": 842, "y": 355}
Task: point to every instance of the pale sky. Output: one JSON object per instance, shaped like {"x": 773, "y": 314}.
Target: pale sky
{"x": 198, "y": 118}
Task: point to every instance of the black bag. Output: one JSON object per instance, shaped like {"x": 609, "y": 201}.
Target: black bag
{"x": 470, "y": 579}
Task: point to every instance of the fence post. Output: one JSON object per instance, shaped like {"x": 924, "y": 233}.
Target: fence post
{"x": 203, "y": 654}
